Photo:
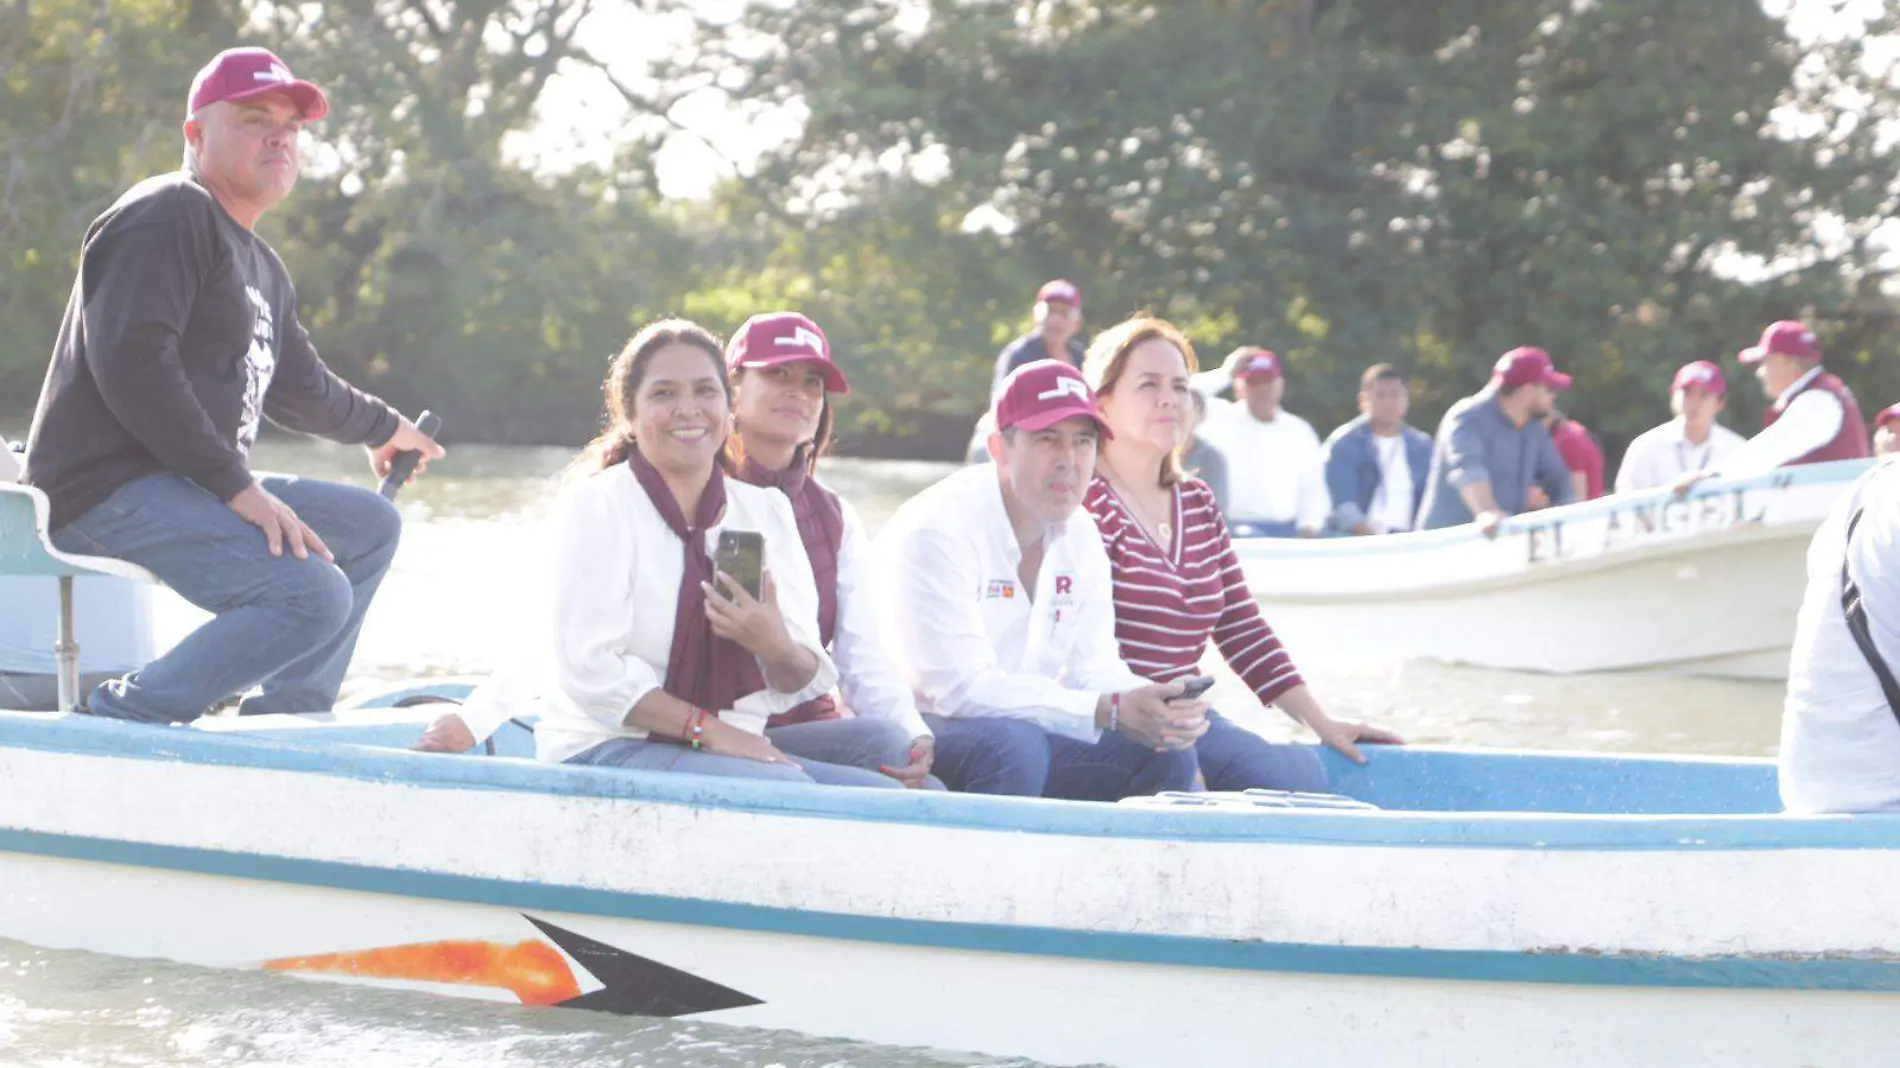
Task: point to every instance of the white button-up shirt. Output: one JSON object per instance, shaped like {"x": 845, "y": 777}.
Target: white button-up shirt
{"x": 614, "y": 582}
{"x": 970, "y": 639}
{"x": 1661, "y": 455}
{"x": 1808, "y": 421}
{"x": 1275, "y": 471}
{"x": 1840, "y": 743}
{"x": 1391, "y": 510}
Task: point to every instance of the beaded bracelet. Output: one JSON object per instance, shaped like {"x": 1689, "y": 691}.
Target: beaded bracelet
{"x": 696, "y": 729}
{"x": 1114, "y": 710}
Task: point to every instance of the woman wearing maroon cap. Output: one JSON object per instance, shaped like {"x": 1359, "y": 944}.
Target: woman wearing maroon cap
{"x": 782, "y": 381}
{"x": 1178, "y": 583}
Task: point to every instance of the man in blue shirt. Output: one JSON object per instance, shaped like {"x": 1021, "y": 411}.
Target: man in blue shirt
{"x": 1376, "y": 464}
{"x": 1493, "y": 447}
{"x": 1057, "y": 334}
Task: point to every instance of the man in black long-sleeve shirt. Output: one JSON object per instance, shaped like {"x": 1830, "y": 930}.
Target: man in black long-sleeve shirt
{"x": 180, "y": 336}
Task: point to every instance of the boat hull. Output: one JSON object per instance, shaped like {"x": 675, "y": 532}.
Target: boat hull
{"x": 1706, "y": 586}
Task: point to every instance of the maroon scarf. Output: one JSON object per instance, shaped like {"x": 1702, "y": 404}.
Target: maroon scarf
{"x": 701, "y": 668}
{"x": 820, "y": 517}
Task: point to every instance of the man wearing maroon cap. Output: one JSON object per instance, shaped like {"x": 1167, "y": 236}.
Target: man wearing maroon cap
{"x": 1001, "y": 607}
{"x": 1887, "y": 431}
{"x": 1057, "y": 333}
{"x": 1493, "y": 446}
{"x": 1692, "y": 441}
{"x": 1812, "y": 419}
{"x": 180, "y": 337}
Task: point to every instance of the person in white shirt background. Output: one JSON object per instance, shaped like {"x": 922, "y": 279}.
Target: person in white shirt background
{"x": 654, "y": 661}
{"x": 1840, "y": 731}
{"x": 999, "y": 599}
{"x": 1276, "y": 481}
{"x": 1812, "y": 416}
{"x": 1692, "y": 441}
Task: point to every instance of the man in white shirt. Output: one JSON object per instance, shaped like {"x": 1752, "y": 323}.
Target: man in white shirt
{"x": 1840, "y": 738}
{"x": 999, "y": 597}
{"x": 1814, "y": 417}
{"x": 1692, "y": 441}
{"x": 1276, "y": 475}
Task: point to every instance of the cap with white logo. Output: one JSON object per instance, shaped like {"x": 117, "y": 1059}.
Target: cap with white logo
{"x": 1785, "y": 338}
{"x": 784, "y": 337}
{"x": 237, "y": 74}
{"x": 1037, "y": 396}
{"x": 1702, "y": 375}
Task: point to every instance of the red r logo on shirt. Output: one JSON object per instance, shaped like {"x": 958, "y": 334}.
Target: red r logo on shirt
{"x": 1063, "y": 584}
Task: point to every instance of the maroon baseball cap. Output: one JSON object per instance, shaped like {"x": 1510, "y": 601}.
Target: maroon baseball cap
{"x": 1060, "y": 291}
{"x": 1889, "y": 414}
{"x": 1785, "y": 338}
{"x": 1037, "y": 396}
{"x": 1260, "y": 364}
{"x": 1527, "y": 365}
{"x": 1703, "y": 375}
{"x": 244, "y": 73}
{"x": 784, "y": 337}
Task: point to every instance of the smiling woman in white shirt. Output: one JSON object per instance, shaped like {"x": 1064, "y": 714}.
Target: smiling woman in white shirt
{"x": 783, "y": 377}
{"x": 657, "y": 661}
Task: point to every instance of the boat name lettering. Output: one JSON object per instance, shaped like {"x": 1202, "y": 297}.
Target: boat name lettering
{"x": 1630, "y": 524}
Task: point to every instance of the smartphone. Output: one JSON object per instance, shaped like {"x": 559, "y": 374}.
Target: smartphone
{"x": 741, "y": 557}
{"x": 1195, "y": 687}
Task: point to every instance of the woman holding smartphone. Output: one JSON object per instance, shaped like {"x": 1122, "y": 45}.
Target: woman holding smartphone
{"x": 1177, "y": 580}
{"x": 658, "y": 661}
{"x": 783, "y": 379}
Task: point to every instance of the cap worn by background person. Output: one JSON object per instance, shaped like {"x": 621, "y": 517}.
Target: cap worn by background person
{"x": 784, "y": 337}
{"x": 1037, "y": 396}
{"x": 1785, "y": 338}
{"x": 1260, "y": 364}
{"x": 238, "y": 74}
{"x": 1059, "y": 291}
{"x": 1703, "y": 375}
{"x": 1525, "y": 366}
{"x": 1889, "y": 414}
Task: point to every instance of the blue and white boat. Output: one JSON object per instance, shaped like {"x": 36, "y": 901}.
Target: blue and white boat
{"x": 1494, "y": 908}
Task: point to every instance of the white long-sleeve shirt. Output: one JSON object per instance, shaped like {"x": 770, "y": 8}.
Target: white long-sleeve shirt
{"x": 1840, "y": 743}
{"x": 970, "y": 639}
{"x": 868, "y": 677}
{"x": 1808, "y": 421}
{"x": 1661, "y": 455}
{"x": 616, "y": 570}
{"x": 1275, "y": 470}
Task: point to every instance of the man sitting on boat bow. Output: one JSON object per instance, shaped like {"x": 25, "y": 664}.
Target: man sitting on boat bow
{"x": 999, "y": 604}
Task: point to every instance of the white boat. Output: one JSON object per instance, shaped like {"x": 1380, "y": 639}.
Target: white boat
{"x": 1703, "y": 585}
{"x": 1495, "y": 909}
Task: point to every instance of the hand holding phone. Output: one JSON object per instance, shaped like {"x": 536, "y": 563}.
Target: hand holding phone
{"x": 1193, "y": 688}
{"x": 741, "y": 557}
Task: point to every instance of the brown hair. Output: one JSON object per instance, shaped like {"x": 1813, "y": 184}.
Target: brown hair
{"x": 1108, "y": 357}
{"x": 626, "y": 375}
{"x": 819, "y": 445}
{"x": 1379, "y": 372}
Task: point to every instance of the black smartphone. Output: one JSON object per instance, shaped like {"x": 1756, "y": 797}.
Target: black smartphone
{"x": 741, "y": 557}
{"x": 1194, "y": 687}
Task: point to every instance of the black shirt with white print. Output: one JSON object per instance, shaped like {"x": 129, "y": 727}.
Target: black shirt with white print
{"x": 181, "y": 334}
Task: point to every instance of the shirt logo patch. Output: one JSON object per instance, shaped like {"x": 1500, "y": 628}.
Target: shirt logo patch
{"x": 1001, "y": 589}
{"x": 1065, "y": 588}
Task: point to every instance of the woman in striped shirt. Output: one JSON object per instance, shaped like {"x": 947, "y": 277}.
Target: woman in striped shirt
{"x": 1177, "y": 580}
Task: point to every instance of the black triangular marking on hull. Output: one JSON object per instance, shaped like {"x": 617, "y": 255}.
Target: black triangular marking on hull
{"x": 636, "y": 986}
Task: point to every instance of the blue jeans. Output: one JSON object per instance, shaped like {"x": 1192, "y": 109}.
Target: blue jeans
{"x": 1235, "y": 758}
{"x": 287, "y": 624}
{"x": 998, "y": 755}
{"x": 854, "y": 741}
{"x": 1263, "y": 528}
{"x": 638, "y": 754}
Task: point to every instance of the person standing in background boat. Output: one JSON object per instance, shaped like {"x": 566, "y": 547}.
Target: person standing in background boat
{"x": 1199, "y": 457}
{"x": 1277, "y": 486}
{"x": 180, "y": 338}
{"x": 1887, "y": 431}
{"x": 1691, "y": 442}
{"x": 1057, "y": 334}
{"x": 1581, "y": 455}
{"x": 1840, "y": 726}
{"x": 1493, "y": 446}
{"x": 1177, "y": 581}
{"x": 1813, "y": 417}
{"x": 998, "y": 597}
{"x": 1376, "y": 464}
{"x": 656, "y": 661}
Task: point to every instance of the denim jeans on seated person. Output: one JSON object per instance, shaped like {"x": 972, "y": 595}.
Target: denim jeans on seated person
{"x": 864, "y": 742}
{"x": 998, "y": 755}
{"x": 1263, "y": 528}
{"x": 1235, "y": 758}
{"x": 639, "y": 754}
{"x": 287, "y": 624}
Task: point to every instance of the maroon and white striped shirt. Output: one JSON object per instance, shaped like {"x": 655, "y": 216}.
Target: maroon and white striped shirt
{"x": 1169, "y": 601}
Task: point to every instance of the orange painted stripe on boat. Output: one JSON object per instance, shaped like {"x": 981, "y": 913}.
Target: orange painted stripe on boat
{"x": 533, "y": 970}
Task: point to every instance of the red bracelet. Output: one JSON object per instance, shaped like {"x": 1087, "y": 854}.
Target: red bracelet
{"x": 1114, "y": 710}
